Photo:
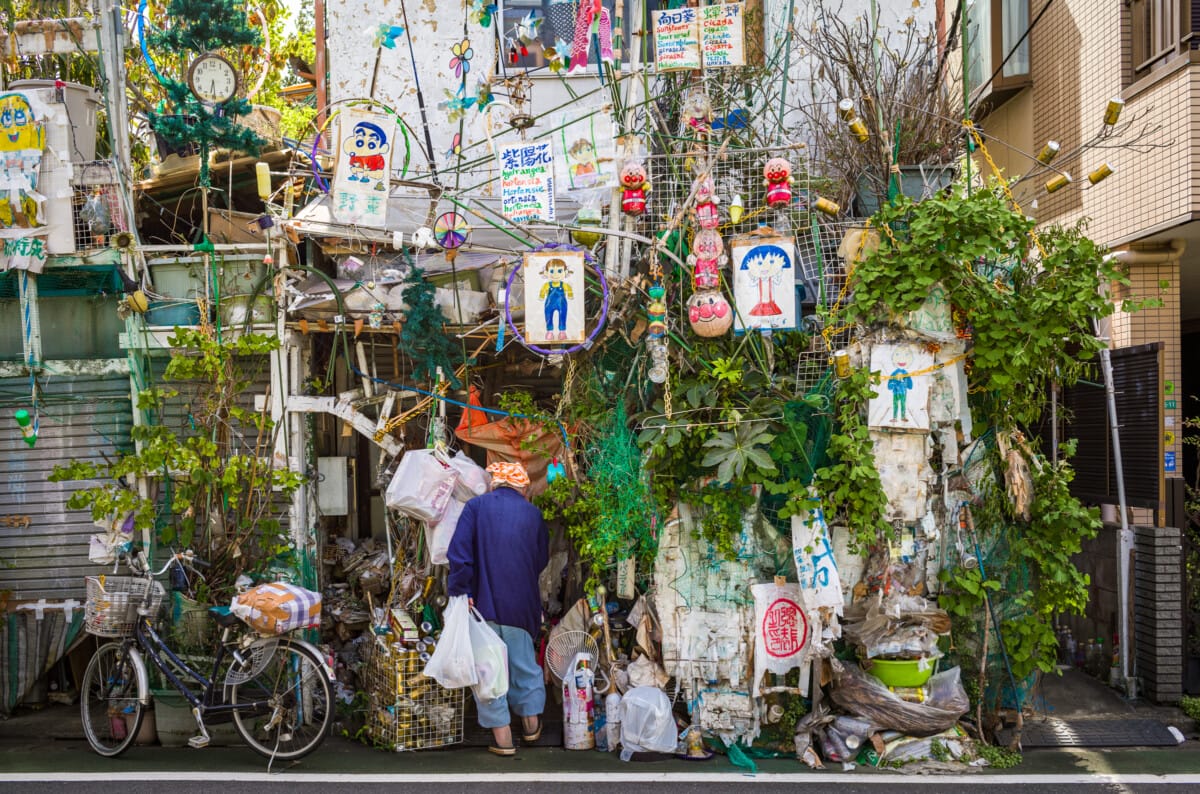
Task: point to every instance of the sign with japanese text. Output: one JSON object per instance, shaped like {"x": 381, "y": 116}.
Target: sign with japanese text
{"x": 721, "y": 35}
{"x": 781, "y": 630}
{"x": 816, "y": 568}
{"x": 361, "y": 178}
{"x": 527, "y": 182}
{"x": 24, "y": 252}
{"x": 677, "y": 39}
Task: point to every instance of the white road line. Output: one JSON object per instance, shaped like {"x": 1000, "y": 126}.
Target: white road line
{"x": 882, "y": 779}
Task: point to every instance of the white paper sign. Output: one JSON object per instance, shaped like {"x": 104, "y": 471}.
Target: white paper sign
{"x": 781, "y": 631}
{"x": 764, "y": 283}
{"x": 361, "y": 179}
{"x": 815, "y": 566}
{"x": 902, "y": 401}
{"x": 721, "y": 35}
{"x": 527, "y": 182}
{"x": 23, "y": 252}
{"x": 554, "y": 297}
{"x": 587, "y": 141}
{"x": 676, "y": 39}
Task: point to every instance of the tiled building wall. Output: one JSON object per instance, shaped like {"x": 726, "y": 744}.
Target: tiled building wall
{"x": 1079, "y": 61}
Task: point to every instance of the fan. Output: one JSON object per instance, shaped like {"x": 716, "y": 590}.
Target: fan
{"x": 564, "y": 646}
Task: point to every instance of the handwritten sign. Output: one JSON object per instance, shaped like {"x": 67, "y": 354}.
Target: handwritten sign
{"x": 527, "y": 182}
{"x": 21, "y": 250}
{"x": 721, "y": 35}
{"x": 361, "y": 176}
{"x": 782, "y": 632}
{"x": 677, "y": 39}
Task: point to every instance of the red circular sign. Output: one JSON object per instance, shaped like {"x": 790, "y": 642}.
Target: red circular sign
{"x": 784, "y": 628}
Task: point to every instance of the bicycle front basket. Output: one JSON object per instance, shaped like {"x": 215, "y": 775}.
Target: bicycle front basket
{"x": 113, "y": 602}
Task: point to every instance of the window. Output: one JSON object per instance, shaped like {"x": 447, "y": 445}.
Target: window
{"x": 557, "y": 24}
{"x": 1160, "y": 29}
{"x": 994, "y": 28}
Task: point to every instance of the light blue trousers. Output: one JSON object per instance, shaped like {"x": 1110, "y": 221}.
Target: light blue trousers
{"x": 526, "y": 686}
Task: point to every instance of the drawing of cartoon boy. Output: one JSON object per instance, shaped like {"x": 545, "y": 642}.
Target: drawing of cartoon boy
{"x": 899, "y": 383}
{"x": 367, "y": 146}
{"x": 554, "y": 295}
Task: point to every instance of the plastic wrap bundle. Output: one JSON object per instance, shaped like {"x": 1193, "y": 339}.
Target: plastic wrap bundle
{"x": 866, "y": 696}
{"x": 647, "y": 724}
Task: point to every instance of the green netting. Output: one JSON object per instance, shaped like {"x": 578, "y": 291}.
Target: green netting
{"x": 808, "y": 425}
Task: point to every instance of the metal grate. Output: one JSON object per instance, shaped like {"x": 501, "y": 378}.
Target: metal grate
{"x": 96, "y": 205}
{"x": 407, "y": 711}
{"x": 1122, "y": 732}
{"x": 65, "y": 282}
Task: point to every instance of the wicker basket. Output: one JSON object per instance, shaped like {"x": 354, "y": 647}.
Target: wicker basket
{"x": 408, "y": 711}
{"x": 113, "y": 603}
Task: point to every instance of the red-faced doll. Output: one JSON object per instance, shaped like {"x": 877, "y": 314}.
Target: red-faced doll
{"x": 634, "y": 187}
{"x": 777, "y": 177}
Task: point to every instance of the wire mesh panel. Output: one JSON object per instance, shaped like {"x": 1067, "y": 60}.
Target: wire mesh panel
{"x": 96, "y": 205}
{"x": 406, "y": 710}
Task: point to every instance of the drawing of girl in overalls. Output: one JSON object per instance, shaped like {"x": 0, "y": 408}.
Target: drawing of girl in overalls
{"x": 554, "y": 294}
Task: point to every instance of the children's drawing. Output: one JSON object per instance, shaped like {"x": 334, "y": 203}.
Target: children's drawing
{"x": 764, "y": 286}
{"x": 903, "y": 402}
{"x": 22, "y": 140}
{"x": 360, "y": 185}
{"x": 554, "y": 281}
{"x": 587, "y": 141}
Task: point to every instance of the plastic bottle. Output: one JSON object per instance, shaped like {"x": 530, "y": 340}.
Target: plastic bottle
{"x": 612, "y": 709}
{"x": 599, "y": 723}
{"x": 1080, "y": 653}
{"x": 1070, "y": 646}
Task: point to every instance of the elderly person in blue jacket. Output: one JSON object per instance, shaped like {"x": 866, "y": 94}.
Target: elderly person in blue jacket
{"x": 500, "y": 546}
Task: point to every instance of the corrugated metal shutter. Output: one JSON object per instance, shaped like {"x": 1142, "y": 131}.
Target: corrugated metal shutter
{"x": 1136, "y": 383}
{"x": 81, "y": 417}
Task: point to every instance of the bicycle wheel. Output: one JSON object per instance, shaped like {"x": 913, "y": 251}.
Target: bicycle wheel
{"x": 293, "y": 696}
{"x": 110, "y": 704}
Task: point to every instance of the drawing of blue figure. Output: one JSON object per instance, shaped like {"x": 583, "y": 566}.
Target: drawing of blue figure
{"x": 367, "y": 146}
{"x": 554, "y": 295}
{"x": 899, "y": 382}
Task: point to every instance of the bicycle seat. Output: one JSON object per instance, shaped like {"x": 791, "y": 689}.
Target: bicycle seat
{"x": 224, "y": 617}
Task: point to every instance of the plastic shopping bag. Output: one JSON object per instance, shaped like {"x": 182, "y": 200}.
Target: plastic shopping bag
{"x": 473, "y": 480}
{"x": 422, "y": 485}
{"x": 491, "y": 659}
{"x": 453, "y": 663}
{"x": 439, "y": 534}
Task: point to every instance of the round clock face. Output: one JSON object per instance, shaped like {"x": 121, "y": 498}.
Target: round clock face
{"x": 212, "y": 79}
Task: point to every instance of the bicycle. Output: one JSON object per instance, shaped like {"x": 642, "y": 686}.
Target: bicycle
{"x": 277, "y": 690}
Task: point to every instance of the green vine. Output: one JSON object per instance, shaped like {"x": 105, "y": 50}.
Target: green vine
{"x": 850, "y": 485}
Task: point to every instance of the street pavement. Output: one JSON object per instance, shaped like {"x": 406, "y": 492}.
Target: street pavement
{"x": 43, "y": 750}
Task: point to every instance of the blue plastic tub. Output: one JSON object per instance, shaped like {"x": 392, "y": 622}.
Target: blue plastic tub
{"x": 173, "y": 313}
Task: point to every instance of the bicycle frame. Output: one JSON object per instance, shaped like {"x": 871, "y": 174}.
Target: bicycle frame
{"x": 155, "y": 647}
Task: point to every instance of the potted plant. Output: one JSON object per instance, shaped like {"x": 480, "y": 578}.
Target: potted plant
{"x": 215, "y": 485}
{"x": 894, "y": 89}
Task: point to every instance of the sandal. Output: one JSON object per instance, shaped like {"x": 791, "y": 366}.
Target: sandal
{"x": 537, "y": 733}
{"x": 502, "y": 751}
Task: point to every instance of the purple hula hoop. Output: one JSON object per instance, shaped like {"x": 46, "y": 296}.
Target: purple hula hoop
{"x": 590, "y": 261}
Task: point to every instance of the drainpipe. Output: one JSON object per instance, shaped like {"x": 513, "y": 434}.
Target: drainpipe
{"x": 319, "y": 66}
{"x": 1125, "y": 541}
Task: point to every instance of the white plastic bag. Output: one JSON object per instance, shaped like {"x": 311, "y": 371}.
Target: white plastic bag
{"x": 439, "y": 534}
{"x": 647, "y": 724}
{"x": 453, "y": 663}
{"x": 473, "y": 480}
{"x": 491, "y": 659}
{"x": 422, "y": 485}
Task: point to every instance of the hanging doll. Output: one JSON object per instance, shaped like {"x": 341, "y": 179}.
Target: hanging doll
{"x": 705, "y": 210}
{"x": 706, "y": 258}
{"x": 695, "y": 118}
{"x": 777, "y": 177}
{"x": 593, "y": 20}
{"x": 709, "y": 313}
{"x": 634, "y": 187}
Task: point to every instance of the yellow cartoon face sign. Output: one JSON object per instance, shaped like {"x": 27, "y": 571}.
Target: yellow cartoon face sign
{"x": 18, "y": 128}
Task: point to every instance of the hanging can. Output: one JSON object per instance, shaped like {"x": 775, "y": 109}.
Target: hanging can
{"x": 841, "y": 364}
